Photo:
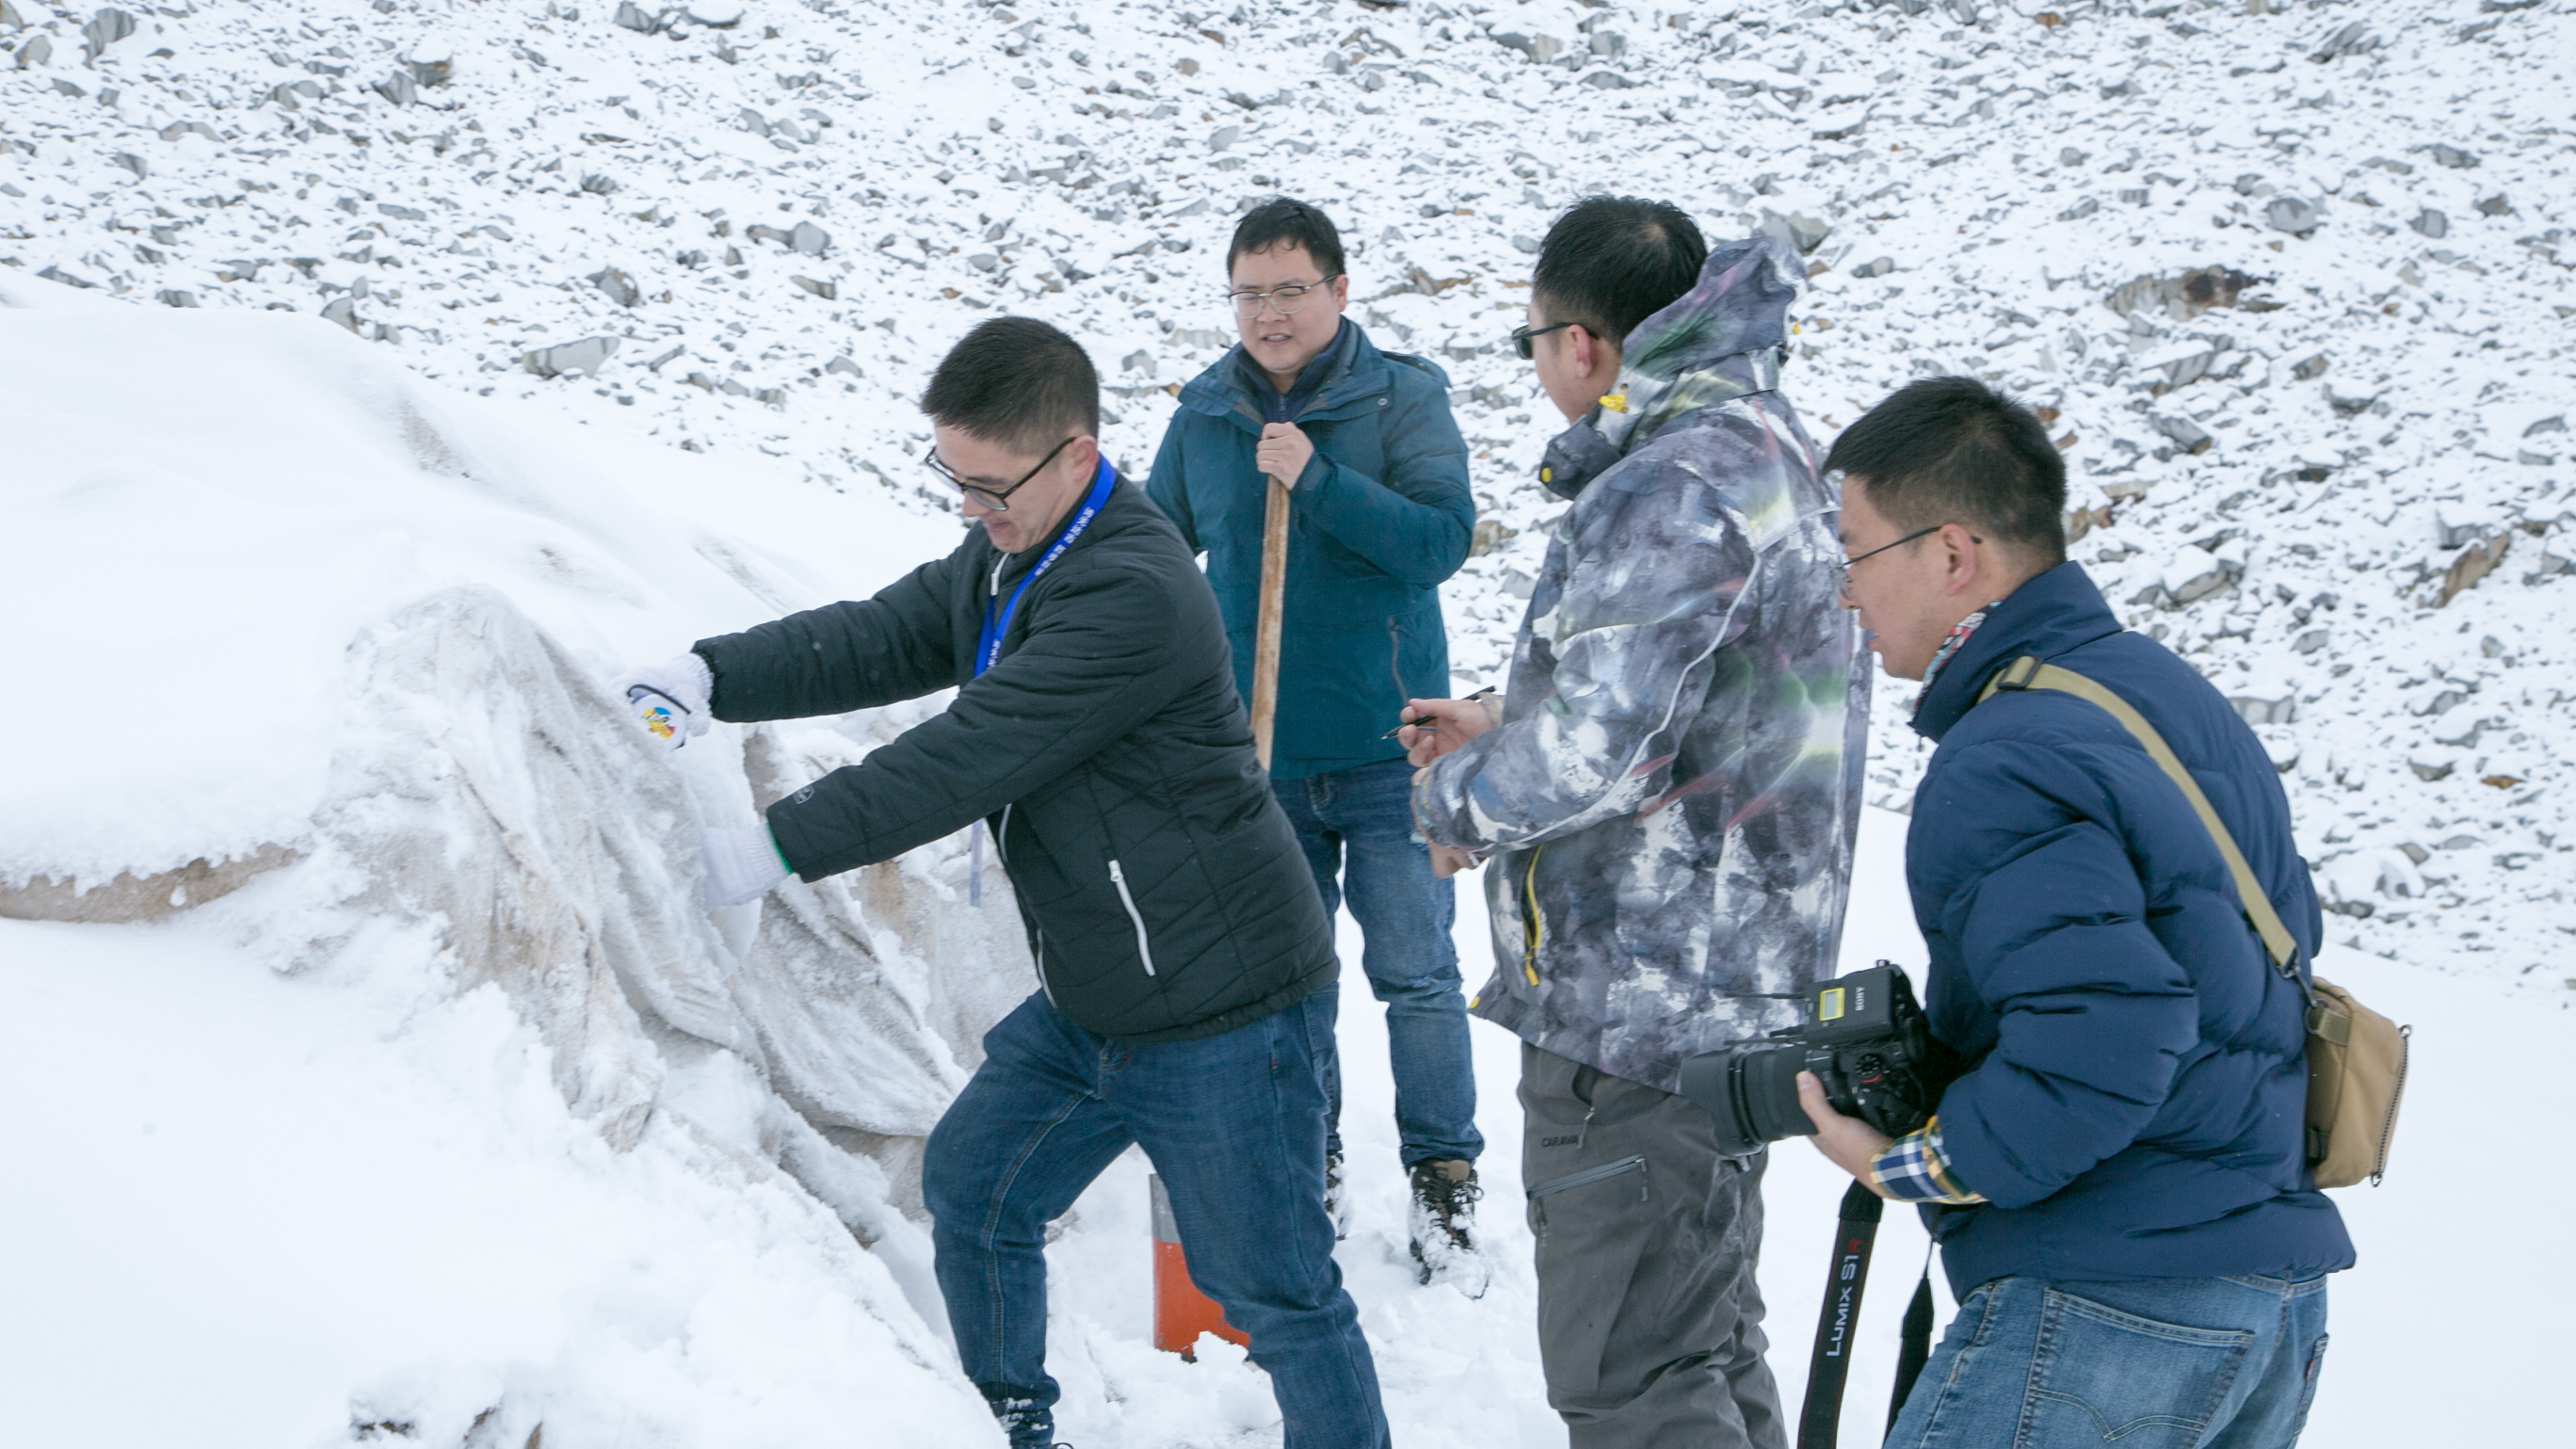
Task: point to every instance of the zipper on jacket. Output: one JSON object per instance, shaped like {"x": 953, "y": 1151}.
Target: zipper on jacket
{"x": 1589, "y": 1176}
{"x": 1530, "y": 929}
{"x": 2388, "y": 1129}
{"x": 1145, "y": 952}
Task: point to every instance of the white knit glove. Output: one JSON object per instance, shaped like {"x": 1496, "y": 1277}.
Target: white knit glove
{"x": 742, "y": 865}
{"x": 670, "y": 698}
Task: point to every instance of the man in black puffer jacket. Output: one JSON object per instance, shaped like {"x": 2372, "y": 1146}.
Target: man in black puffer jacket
{"x": 1185, "y": 964}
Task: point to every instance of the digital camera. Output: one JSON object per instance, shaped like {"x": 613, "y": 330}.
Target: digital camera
{"x": 1864, "y": 1038}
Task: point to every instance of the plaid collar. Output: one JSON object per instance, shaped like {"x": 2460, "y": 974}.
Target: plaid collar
{"x": 1958, "y": 636}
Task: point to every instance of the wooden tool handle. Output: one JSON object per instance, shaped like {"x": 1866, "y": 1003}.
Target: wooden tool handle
{"x": 1265, "y": 645}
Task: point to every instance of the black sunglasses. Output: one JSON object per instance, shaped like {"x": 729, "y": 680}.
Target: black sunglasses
{"x": 1524, "y": 339}
{"x": 996, "y": 499}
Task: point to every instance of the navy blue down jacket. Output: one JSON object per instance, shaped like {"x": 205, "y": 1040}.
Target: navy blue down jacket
{"x": 2134, "y": 1107}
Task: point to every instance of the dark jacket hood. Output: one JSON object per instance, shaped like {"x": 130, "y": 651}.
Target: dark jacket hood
{"x": 1723, "y": 338}
{"x": 2048, "y": 615}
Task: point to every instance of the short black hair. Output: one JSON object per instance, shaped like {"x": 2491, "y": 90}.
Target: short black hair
{"x": 1611, "y": 262}
{"x": 1018, "y": 382}
{"x": 1953, "y": 450}
{"x": 1286, "y": 221}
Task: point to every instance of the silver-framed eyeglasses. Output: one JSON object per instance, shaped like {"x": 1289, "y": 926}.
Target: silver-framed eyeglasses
{"x": 1286, "y": 300}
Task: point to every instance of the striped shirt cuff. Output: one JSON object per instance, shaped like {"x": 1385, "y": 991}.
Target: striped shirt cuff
{"x": 1913, "y": 1169}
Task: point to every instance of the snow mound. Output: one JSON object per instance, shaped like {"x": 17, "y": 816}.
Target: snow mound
{"x": 320, "y": 656}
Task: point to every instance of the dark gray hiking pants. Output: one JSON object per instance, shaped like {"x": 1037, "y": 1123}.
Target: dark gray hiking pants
{"x": 1649, "y": 1319}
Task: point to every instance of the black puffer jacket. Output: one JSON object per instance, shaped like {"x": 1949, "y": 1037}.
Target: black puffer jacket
{"x": 1163, "y": 891}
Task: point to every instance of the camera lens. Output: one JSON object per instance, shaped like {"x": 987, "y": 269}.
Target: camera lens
{"x": 1750, "y": 1094}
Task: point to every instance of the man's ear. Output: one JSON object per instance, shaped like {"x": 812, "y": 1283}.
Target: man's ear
{"x": 1341, "y": 291}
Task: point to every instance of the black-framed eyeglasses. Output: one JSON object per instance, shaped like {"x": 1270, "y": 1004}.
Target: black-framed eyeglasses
{"x": 1851, "y": 563}
{"x": 1285, "y": 300}
{"x": 1525, "y": 339}
{"x": 996, "y": 499}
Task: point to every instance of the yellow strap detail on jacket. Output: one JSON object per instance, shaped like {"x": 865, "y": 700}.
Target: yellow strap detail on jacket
{"x": 2028, "y": 672}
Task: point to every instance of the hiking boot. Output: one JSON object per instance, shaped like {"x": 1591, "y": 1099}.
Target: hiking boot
{"x": 1442, "y": 1223}
{"x": 1337, "y": 1197}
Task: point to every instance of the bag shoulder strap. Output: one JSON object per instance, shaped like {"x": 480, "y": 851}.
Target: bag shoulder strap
{"x": 2030, "y": 672}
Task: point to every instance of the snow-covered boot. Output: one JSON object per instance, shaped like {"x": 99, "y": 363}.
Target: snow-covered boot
{"x": 1337, "y": 1197}
{"x": 1443, "y": 1226}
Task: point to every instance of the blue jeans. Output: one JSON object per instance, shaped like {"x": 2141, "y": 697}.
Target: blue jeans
{"x": 2172, "y": 1363}
{"x": 1363, "y": 819}
{"x": 1235, "y": 1125}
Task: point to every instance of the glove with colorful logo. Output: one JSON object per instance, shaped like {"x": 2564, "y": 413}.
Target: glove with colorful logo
{"x": 670, "y": 698}
{"x": 742, "y": 865}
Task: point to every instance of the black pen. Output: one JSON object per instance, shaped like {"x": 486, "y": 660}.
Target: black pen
{"x": 1431, "y": 724}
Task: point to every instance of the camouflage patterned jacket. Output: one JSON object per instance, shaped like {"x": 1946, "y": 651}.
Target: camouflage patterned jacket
{"x": 1670, "y": 801}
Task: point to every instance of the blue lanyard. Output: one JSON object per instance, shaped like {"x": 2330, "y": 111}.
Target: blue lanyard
{"x": 988, "y": 644}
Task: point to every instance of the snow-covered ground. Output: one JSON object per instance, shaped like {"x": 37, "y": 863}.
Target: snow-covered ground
{"x": 406, "y": 1089}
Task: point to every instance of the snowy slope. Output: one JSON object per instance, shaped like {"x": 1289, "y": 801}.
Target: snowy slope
{"x": 2294, "y": 278}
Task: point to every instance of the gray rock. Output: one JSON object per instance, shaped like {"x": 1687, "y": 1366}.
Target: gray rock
{"x": 633, "y": 18}
{"x": 1799, "y": 230}
{"x": 2220, "y": 574}
{"x": 401, "y": 213}
{"x": 133, "y": 163}
{"x": 432, "y": 70}
{"x": 808, "y": 238}
{"x": 2134, "y": 195}
{"x": 1525, "y": 245}
{"x": 2185, "y": 295}
{"x": 2431, "y": 223}
{"x": 616, "y": 286}
{"x": 2081, "y": 209}
{"x": 2350, "y": 407}
{"x": 2069, "y": 156}
{"x": 35, "y": 53}
{"x": 2557, "y": 424}
{"x": 2284, "y": 710}
{"x": 398, "y": 88}
{"x": 1223, "y": 137}
{"x": 2309, "y": 369}
{"x": 1609, "y": 44}
{"x": 1878, "y": 268}
{"x": 2291, "y": 214}
{"x": 2453, "y": 532}
{"x": 1026, "y": 83}
{"x": 1607, "y": 80}
{"x": 843, "y": 365}
{"x": 1540, "y": 48}
{"x": 2430, "y": 773}
{"x": 2246, "y": 182}
{"x": 715, "y": 14}
{"x": 2311, "y": 641}
{"x": 2495, "y": 205}
{"x": 174, "y": 297}
{"x": 57, "y": 274}
{"x": 828, "y": 291}
{"x": 105, "y": 28}
{"x": 2353, "y": 39}
{"x": 10, "y": 18}
{"x": 1963, "y": 11}
{"x": 598, "y": 185}
{"x": 342, "y": 310}
{"x": 563, "y": 359}
{"x": 2455, "y": 158}
{"x": 2186, "y": 434}
{"x": 2128, "y": 87}
{"x": 1139, "y": 360}
{"x": 984, "y": 262}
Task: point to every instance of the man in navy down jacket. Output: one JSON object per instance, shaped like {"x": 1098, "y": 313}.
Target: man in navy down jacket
{"x": 2117, "y": 1179}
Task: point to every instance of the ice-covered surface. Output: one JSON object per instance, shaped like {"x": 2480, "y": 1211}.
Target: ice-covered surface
{"x": 253, "y": 599}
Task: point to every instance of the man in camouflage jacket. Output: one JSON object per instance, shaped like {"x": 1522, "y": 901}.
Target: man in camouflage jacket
{"x": 1667, "y": 807}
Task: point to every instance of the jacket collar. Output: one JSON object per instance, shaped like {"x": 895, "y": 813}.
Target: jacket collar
{"x": 1352, "y": 368}
{"x": 1003, "y": 568}
{"x": 2049, "y": 615}
{"x": 1719, "y": 341}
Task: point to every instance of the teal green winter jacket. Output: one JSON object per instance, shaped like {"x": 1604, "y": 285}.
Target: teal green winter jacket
{"x": 1381, "y": 517}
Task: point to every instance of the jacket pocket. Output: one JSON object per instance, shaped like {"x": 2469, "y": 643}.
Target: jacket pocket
{"x": 1135, "y": 917}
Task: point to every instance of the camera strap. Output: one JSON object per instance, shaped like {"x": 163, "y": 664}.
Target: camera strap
{"x": 1829, "y": 1366}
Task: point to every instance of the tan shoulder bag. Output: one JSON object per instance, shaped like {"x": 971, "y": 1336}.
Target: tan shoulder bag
{"x": 2356, "y": 1057}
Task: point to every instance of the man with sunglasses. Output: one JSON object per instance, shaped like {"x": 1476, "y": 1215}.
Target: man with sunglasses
{"x": 1379, "y": 516}
{"x": 1184, "y": 966}
{"x": 1668, "y": 799}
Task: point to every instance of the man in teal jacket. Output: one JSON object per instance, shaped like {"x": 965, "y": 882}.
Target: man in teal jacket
{"x": 1379, "y": 516}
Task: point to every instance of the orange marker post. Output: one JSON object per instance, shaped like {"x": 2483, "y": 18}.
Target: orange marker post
{"x": 1181, "y": 1311}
